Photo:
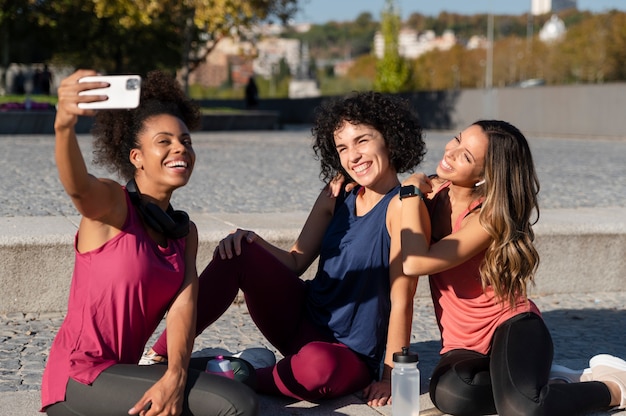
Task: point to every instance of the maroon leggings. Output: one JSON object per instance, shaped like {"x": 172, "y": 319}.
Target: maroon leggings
{"x": 315, "y": 366}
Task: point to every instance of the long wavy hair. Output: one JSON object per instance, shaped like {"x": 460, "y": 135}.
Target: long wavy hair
{"x": 509, "y": 211}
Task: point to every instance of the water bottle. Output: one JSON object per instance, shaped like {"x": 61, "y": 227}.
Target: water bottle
{"x": 221, "y": 367}
{"x": 405, "y": 384}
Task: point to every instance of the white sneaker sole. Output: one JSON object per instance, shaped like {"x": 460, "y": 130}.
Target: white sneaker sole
{"x": 609, "y": 361}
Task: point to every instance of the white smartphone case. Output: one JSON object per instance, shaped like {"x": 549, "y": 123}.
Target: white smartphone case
{"x": 123, "y": 92}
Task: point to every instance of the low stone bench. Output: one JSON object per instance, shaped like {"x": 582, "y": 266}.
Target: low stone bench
{"x": 582, "y": 251}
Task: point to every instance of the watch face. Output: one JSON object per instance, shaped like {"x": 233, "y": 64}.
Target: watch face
{"x": 408, "y": 191}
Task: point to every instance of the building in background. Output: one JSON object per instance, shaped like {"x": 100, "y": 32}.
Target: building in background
{"x": 412, "y": 44}
{"x": 553, "y": 30}
{"x": 538, "y": 7}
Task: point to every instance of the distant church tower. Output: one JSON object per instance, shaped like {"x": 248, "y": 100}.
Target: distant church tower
{"x": 538, "y": 7}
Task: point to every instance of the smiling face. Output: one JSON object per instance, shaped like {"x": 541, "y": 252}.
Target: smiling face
{"x": 364, "y": 156}
{"x": 463, "y": 160}
{"x": 165, "y": 156}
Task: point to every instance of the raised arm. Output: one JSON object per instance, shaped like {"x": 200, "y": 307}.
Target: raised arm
{"x": 94, "y": 198}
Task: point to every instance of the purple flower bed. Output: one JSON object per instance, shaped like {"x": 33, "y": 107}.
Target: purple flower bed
{"x": 34, "y": 106}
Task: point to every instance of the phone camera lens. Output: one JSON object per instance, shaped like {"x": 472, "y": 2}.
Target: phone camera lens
{"x": 132, "y": 84}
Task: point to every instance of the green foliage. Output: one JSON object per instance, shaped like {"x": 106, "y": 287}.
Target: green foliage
{"x": 12, "y": 98}
{"x": 339, "y": 86}
{"x": 392, "y": 71}
{"x": 338, "y": 40}
{"x": 118, "y": 36}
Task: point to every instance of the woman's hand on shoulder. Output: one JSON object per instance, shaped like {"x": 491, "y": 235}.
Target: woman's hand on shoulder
{"x": 420, "y": 180}
{"x": 230, "y": 246}
{"x": 336, "y": 185}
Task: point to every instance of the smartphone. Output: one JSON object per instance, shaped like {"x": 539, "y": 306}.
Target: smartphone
{"x": 123, "y": 92}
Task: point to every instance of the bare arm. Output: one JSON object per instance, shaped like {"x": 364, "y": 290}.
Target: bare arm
{"x": 101, "y": 202}
{"x": 167, "y": 395}
{"x": 401, "y": 316}
{"x": 420, "y": 258}
{"x": 306, "y": 248}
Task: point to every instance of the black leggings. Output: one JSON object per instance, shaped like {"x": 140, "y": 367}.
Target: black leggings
{"x": 513, "y": 379}
{"x": 119, "y": 387}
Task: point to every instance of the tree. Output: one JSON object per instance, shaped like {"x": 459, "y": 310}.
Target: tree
{"x": 392, "y": 72}
{"x": 138, "y": 35}
{"x": 18, "y": 42}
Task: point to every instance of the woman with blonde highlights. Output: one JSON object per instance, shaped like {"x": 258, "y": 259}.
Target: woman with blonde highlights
{"x": 470, "y": 230}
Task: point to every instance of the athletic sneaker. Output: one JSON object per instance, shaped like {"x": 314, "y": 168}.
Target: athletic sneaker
{"x": 258, "y": 357}
{"x": 606, "y": 367}
{"x": 568, "y": 375}
{"x": 149, "y": 358}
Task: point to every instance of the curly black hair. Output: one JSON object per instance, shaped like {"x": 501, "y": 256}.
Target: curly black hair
{"x": 116, "y": 132}
{"x": 391, "y": 115}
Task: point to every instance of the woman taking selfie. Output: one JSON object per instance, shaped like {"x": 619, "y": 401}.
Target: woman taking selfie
{"x": 135, "y": 261}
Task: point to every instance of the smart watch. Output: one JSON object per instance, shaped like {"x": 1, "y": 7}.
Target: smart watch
{"x": 409, "y": 191}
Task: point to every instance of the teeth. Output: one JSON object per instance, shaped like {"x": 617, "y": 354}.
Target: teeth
{"x": 360, "y": 168}
{"x": 177, "y": 164}
{"x": 445, "y": 164}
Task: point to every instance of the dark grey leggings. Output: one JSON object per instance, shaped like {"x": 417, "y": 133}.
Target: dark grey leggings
{"x": 513, "y": 379}
{"x": 119, "y": 387}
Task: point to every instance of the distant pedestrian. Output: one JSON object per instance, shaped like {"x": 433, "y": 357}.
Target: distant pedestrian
{"x": 45, "y": 80}
{"x": 18, "y": 83}
{"x": 37, "y": 81}
{"x": 252, "y": 94}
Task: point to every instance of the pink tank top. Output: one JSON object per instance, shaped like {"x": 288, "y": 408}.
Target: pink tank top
{"x": 118, "y": 296}
{"x": 468, "y": 316}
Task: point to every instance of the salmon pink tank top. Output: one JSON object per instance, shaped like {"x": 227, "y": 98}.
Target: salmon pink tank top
{"x": 466, "y": 314}
{"x": 118, "y": 296}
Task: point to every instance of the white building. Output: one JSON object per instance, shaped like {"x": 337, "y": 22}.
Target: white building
{"x": 412, "y": 44}
{"x": 553, "y": 30}
{"x": 271, "y": 50}
{"x": 538, "y": 7}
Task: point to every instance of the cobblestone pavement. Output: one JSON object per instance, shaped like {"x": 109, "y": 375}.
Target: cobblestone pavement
{"x": 581, "y": 325}
{"x": 275, "y": 171}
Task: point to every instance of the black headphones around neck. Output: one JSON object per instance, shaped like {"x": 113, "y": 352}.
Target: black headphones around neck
{"x": 173, "y": 224}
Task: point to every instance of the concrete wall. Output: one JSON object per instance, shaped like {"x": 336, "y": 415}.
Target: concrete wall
{"x": 42, "y": 122}
{"x": 575, "y": 110}
{"x": 582, "y": 251}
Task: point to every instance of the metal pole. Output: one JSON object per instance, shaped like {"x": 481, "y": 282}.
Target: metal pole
{"x": 488, "y": 110}
{"x": 489, "y": 68}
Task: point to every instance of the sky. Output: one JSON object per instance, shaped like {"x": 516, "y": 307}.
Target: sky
{"x": 322, "y": 11}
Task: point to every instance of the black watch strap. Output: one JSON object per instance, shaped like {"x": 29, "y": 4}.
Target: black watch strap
{"x": 410, "y": 191}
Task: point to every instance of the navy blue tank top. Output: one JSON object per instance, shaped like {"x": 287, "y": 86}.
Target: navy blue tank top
{"x": 350, "y": 294}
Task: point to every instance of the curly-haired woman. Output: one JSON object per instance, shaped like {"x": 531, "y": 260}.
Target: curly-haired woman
{"x": 473, "y": 236}
{"x": 135, "y": 260}
{"x": 332, "y": 330}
